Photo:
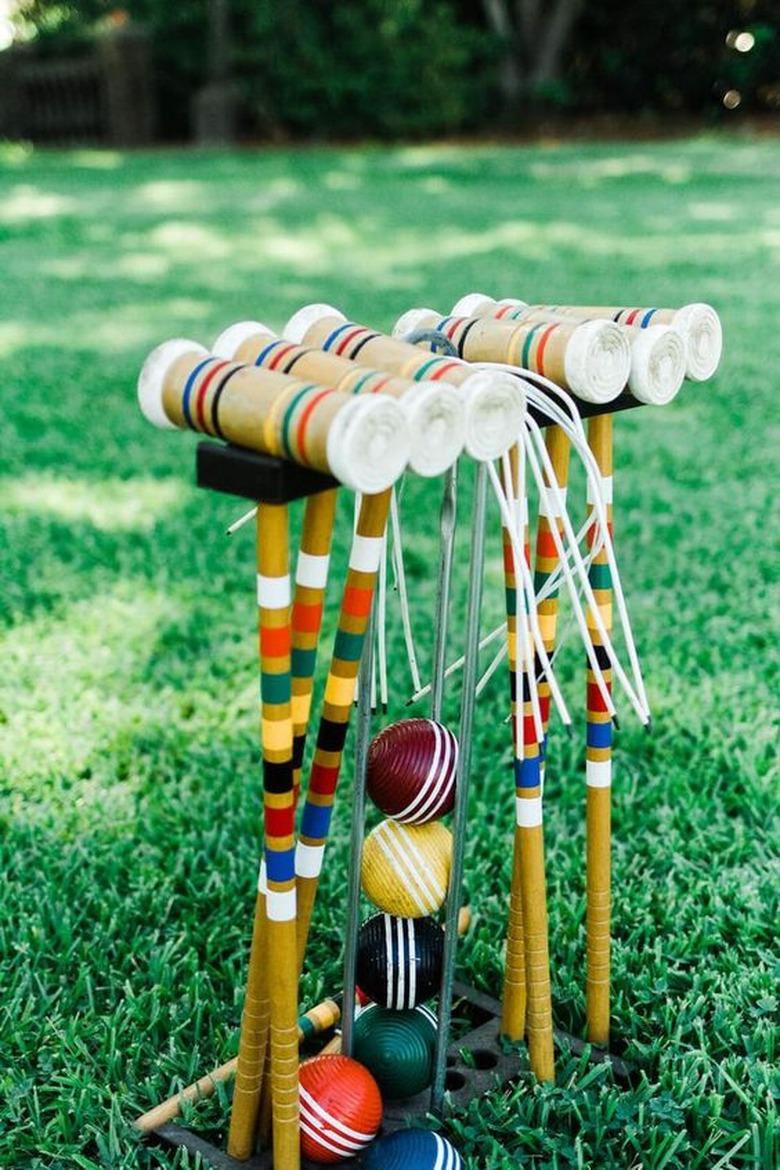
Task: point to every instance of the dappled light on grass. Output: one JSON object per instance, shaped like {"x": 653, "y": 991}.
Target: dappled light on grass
{"x": 715, "y": 212}
{"x": 25, "y": 202}
{"x": 63, "y": 693}
{"x": 118, "y": 505}
{"x": 76, "y": 691}
{"x": 98, "y": 160}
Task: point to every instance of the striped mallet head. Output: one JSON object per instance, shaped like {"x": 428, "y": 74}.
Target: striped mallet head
{"x": 434, "y": 410}
{"x": 494, "y": 401}
{"x": 590, "y": 358}
{"x": 363, "y": 441}
{"x": 657, "y": 353}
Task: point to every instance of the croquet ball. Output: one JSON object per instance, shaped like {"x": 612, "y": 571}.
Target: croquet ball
{"x": 341, "y": 1108}
{"x": 397, "y": 1048}
{"x": 412, "y": 1149}
{"x": 411, "y": 771}
{"x": 406, "y": 868}
{"x": 399, "y": 959}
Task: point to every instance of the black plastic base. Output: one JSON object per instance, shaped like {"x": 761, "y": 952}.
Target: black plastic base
{"x": 476, "y": 1063}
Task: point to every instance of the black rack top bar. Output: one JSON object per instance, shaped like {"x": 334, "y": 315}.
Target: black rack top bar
{"x": 253, "y": 476}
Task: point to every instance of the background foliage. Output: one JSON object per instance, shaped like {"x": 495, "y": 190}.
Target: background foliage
{"x": 405, "y": 67}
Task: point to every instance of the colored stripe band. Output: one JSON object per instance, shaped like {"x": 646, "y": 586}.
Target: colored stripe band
{"x": 288, "y": 415}
{"x": 328, "y": 342}
{"x": 260, "y": 359}
{"x": 216, "y": 397}
{"x": 305, "y": 418}
{"x": 364, "y": 341}
{"x": 188, "y": 388}
{"x": 525, "y": 358}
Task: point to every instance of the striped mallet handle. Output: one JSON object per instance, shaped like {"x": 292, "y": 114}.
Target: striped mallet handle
{"x": 514, "y": 1001}
{"x": 253, "y": 1041}
{"x": 434, "y": 409}
{"x": 515, "y": 978}
{"x": 279, "y": 805}
{"x": 279, "y": 930}
{"x": 318, "y": 1019}
{"x": 546, "y": 559}
{"x": 337, "y": 706}
{"x": 363, "y": 442}
{"x": 599, "y": 772}
{"x": 311, "y": 575}
{"x": 529, "y": 867}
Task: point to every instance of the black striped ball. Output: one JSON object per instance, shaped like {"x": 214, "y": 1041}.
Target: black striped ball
{"x": 399, "y": 960}
{"x": 411, "y": 771}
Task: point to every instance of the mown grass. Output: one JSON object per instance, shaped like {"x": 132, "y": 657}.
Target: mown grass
{"x": 130, "y": 772}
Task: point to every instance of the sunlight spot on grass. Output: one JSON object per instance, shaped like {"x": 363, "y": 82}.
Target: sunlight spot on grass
{"x": 187, "y": 238}
{"x": 13, "y": 336}
{"x": 143, "y": 266}
{"x": 341, "y": 181}
{"x": 435, "y": 185}
{"x": 300, "y": 250}
{"x": 72, "y": 267}
{"x": 715, "y": 212}
{"x": 422, "y": 156}
{"x": 25, "y": 202}
{"x": 618, "y": 167}
{"x": 112, "y": 505}
{"x": 170, "y": 192}
{"x": 81, "y": 686}
{"x": 770, "y": 237}
{"x": 63, "y": 687}
{"x": 107, "y": 332}
{"x": 15, "y": 154}
{"x": 97, "y": 160}
{"x": 676, "y": 174}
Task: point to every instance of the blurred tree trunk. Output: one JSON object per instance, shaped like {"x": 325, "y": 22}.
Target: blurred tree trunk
{"x": 536, "y": 34}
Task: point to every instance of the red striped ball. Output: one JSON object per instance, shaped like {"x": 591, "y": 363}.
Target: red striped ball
{"x": 341, "y": 1108}
{"x": 411, "y": 771}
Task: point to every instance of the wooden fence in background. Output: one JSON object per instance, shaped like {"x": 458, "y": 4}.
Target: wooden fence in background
{"x": 104, "y": 98}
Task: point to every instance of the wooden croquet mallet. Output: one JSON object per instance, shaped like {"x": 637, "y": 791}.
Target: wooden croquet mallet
{"x": 321, "y": 1018}
{"x": 598, "y": 765}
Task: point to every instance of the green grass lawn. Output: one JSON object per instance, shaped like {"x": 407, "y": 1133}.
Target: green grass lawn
{"x": 130, "y": 778}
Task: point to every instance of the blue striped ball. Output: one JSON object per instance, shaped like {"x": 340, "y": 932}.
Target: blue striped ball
{"x": 412, "y": 1149}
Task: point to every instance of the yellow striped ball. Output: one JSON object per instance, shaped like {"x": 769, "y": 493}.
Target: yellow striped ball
{"x": 406, "y": 868}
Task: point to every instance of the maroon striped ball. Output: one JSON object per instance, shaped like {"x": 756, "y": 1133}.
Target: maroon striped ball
{"x": 411, "y": 771}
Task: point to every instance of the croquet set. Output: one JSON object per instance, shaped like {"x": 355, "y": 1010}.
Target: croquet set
{"x": 332, "y": 406}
